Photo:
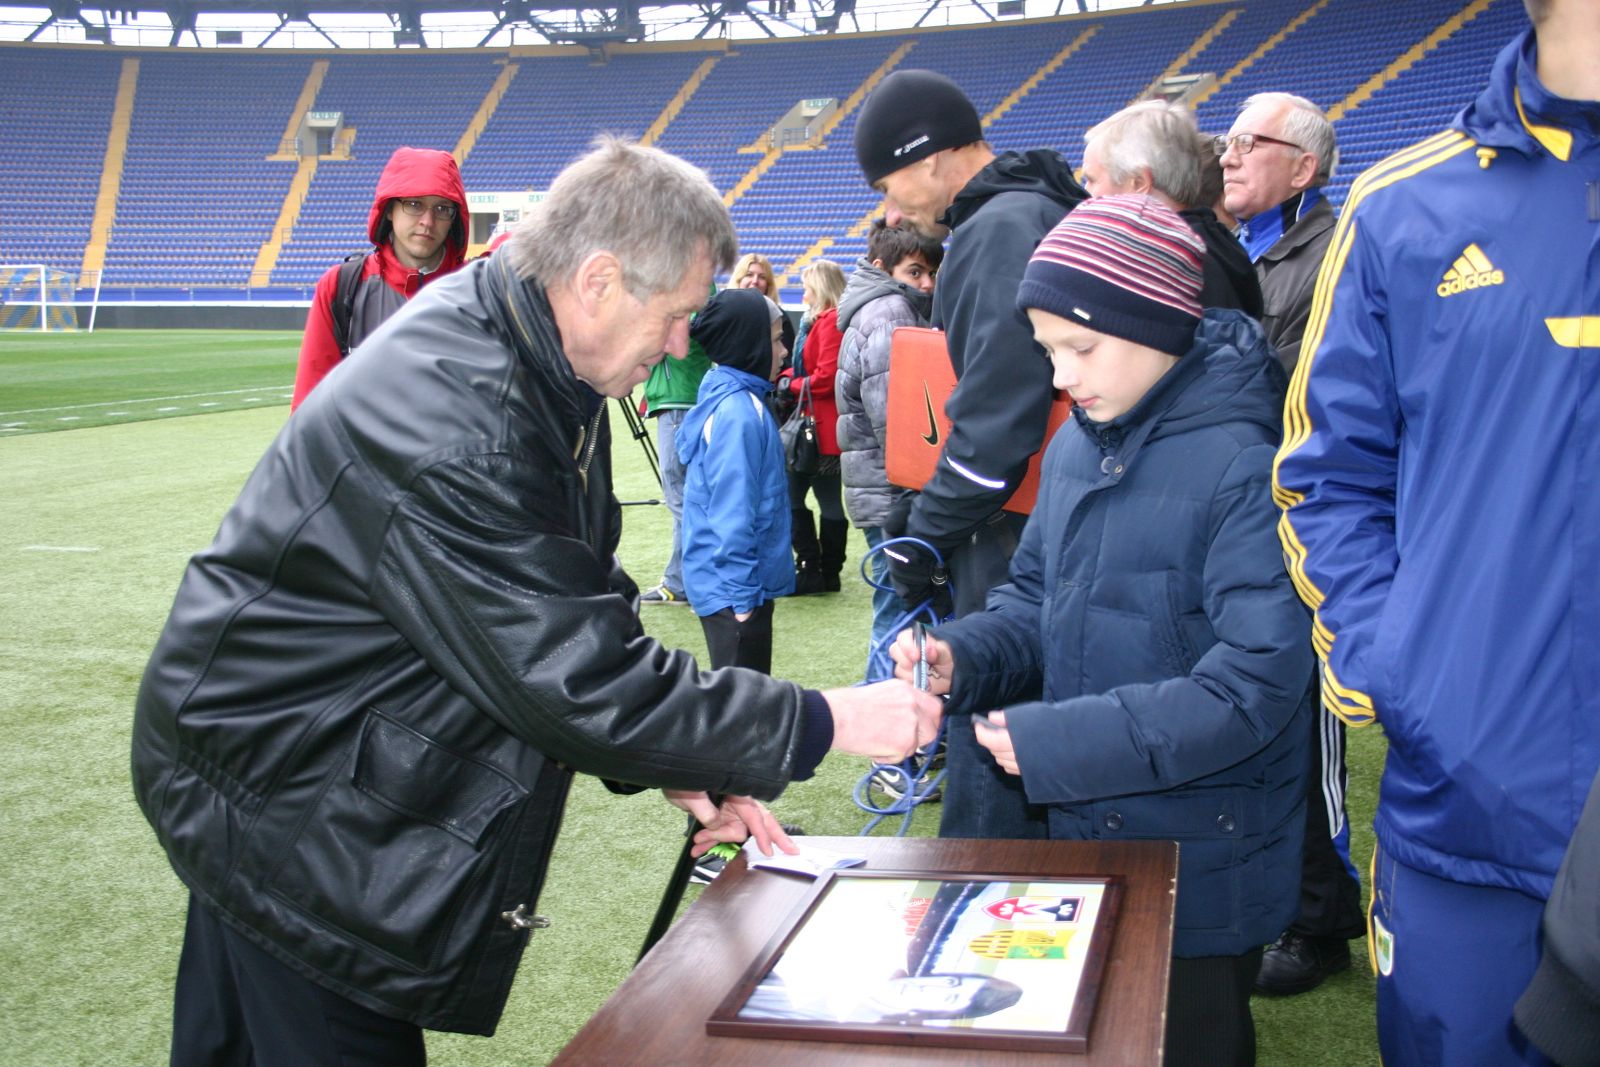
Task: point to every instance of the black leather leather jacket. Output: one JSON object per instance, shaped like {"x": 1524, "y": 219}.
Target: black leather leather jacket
{"x": 356, "y": 733}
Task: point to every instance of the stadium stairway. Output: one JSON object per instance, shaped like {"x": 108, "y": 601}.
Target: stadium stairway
{"x": 847, "y": 108}
{"x": 1408, "y": 59}
{"x": 685, "y": 92}
{"x": 485, "y": 112}
{"x": 1261, "y": 50}
{"x": 305, "y": 171}
{"x": 105, "y": 203}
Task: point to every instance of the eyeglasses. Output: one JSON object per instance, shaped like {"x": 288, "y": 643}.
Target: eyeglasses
{"x": 1244, "y": 142}
{"x": 444, "y": 212}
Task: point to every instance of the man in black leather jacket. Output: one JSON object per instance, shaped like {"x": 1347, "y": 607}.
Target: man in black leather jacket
{"x": 357, "y": 730}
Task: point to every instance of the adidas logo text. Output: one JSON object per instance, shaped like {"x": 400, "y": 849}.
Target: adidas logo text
{"x": 1471, "y": 270}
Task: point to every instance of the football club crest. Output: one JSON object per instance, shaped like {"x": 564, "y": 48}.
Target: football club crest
{"x": 1036, "y": 909}
{"x": 1382, "y": 946}
{"x": 1023, "y": 944}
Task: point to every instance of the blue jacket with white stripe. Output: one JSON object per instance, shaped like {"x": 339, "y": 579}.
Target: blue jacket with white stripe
{"x": 1440, "y": 480}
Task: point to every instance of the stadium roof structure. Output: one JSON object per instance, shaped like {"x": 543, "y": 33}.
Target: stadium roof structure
{"x": 423, "y": 23}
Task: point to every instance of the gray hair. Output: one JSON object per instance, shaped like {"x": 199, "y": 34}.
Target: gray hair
{"x": 651, "y": 210}
{"x": 1304, "y": 124}
{"x": 1152, "y": 134}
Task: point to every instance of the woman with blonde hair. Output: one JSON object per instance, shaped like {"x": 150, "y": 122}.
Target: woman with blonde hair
{"x": 819, "y": 563}
{"x": 754, "y": 271}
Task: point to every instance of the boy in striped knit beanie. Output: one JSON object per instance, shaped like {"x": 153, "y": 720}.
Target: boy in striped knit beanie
{"x": 1149, "y": 657}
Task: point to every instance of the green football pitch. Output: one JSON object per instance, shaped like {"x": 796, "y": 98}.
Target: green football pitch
{"x": 95, "y": 526}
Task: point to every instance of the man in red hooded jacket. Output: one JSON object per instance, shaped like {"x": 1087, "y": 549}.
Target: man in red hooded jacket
{"x": 418, "y": 228}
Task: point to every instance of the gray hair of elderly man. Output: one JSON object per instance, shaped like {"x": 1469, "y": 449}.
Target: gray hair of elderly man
{"x": 1156, "y": 135}
{"x": 653, "y": 211}
{"x": 1304, "y": 124}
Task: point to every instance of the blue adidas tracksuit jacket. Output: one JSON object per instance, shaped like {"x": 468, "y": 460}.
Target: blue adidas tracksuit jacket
{"x": 1440, "y": 479}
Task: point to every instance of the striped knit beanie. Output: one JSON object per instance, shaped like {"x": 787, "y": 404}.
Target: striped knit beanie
{"x": 1128, "y": 266}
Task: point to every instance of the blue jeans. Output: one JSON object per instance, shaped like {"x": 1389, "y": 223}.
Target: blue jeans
{"x": 886, "y": 608}
{"x": 673, "y": 473}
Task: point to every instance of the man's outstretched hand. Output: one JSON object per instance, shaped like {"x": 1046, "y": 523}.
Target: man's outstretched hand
{"x": 886, "y": 721}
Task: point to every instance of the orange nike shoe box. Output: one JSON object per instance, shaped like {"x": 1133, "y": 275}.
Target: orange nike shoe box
{"x": 920, "y": 380}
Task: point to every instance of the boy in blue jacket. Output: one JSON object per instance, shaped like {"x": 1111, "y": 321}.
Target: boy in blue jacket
{"x": 736, "y": 558}
{"x": 1149, "y": 651}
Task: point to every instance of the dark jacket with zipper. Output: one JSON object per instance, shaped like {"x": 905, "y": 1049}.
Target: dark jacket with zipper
{"x": 1001, "y": 402}
{"x": 1150, "y": 651}
{"x": 356, "y": 733}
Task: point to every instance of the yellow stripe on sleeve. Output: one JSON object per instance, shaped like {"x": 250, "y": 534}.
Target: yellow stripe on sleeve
{"x": 1350, "y": 705}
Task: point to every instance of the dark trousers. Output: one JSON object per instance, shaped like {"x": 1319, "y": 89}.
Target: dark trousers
{"x": 1330, "y": 893}
{"x": 740, "y": 644}
{"x": 238, "y": 1006}
{"x": 1208, "y": 1011}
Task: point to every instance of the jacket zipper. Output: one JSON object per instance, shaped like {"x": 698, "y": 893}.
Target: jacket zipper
{"x": 588, "y": 441}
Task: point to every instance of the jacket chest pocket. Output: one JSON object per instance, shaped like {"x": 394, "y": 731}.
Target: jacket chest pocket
{"x": 395, "y": 844}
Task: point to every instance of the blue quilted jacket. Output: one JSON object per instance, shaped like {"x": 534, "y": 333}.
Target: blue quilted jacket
{"x": 1149, "y": 650}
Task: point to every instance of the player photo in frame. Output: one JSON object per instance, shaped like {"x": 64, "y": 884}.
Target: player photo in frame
{"x": 990, "y": 961}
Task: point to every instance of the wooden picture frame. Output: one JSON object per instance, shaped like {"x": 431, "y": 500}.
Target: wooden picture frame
{"x": 979, "y": 961}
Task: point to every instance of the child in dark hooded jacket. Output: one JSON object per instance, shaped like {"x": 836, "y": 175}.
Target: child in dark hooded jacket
{"x": 736, "y": 558}
{"x": 1149, "y": 650}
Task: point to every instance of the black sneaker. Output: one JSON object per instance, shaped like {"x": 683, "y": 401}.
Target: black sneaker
{"x": 662, "y": 595}
{"x": 1298, "y": 964}
{"x": 711, "y": 864}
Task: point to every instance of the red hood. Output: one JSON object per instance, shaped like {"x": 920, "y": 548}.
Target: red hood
{"x": 421, "y": 172}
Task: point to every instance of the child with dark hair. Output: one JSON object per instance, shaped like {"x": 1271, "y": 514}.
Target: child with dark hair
{"x": 1149, "y": 651}
{"x": 891, "y": 287}
{"x": 736, "y": 495}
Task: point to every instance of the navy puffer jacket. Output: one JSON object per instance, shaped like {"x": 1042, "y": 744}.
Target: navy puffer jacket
{"x": 1150, "y": 652}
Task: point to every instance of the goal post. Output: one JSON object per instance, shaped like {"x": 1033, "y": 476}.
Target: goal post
{"x": 37, "y": 297}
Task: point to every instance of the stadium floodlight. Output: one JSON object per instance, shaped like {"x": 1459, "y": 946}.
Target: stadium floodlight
{"x": 37, "y": 297}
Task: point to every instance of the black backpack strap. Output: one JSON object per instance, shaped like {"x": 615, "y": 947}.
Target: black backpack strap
{"x": 344, "y": 298}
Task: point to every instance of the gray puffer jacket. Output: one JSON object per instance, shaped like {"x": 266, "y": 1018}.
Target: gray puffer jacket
{"x": 873, "y": 306}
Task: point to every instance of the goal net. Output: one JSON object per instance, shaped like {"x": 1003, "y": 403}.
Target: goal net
{"x": 36, "y": 297}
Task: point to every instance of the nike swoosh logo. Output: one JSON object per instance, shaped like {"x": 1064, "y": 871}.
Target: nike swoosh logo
{"x": 932, "y": 436}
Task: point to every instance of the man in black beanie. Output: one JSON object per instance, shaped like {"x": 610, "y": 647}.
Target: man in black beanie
{"x": 920, "y": 143}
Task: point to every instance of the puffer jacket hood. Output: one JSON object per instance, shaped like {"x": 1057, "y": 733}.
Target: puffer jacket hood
{"x": 868, "y": 283}
{"x": 421, "y": 172}
{"x": 1040, "y": 170}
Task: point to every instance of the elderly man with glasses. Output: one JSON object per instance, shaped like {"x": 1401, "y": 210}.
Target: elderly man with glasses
{"x": 1275, "y": 161}
{"x": 418, "y": 229}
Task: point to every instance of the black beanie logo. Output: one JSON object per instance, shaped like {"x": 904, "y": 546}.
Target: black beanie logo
{"x": 908, "y": 146}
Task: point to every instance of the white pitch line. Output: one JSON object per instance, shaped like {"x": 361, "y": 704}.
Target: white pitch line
{"x": 59, "y": 548}
{"x": 159, "y": 410}
{"x": 131, "y": 400}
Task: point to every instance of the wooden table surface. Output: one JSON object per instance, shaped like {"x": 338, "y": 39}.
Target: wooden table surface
{"x": 658, "y": 1015}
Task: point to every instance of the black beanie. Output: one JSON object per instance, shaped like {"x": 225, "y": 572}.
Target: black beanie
{"x": 911, "y": 115}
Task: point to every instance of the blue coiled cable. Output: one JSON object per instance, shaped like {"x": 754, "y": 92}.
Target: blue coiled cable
{"x": 910, "y": 773}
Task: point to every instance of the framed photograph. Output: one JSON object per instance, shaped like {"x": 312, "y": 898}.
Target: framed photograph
{"x": 988, "y": 961}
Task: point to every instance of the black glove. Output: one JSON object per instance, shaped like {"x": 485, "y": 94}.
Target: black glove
{"x": 894, "y": 523}
{"x": 918, "y": 576}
